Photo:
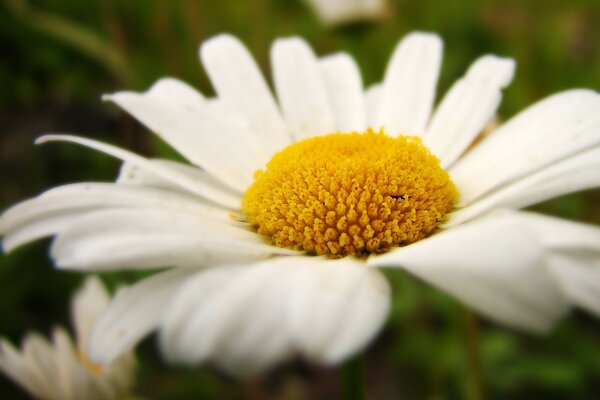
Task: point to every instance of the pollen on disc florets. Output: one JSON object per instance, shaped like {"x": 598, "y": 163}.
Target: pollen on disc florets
{"x": 349, "y": 194}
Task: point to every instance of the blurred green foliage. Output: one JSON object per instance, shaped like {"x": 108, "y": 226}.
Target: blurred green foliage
{"x": 59, "y": 56}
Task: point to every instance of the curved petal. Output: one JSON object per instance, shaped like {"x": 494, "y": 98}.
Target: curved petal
{"x": 301, "y": 89}
{"x": 244, "y": 93}
{"x": 548, "y": 132}
{"x": 133, "y": 313}
{"x": 183, "y": 180}
{"x": 408, "y": 89}
{"x": 344, "y": 88}
{"x": 495, "y": 265}
{"x": 467, "y": 107}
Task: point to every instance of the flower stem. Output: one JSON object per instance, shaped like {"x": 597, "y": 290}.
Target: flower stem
{"x": 351, "y": 379}
{"x": 475, "y": 385}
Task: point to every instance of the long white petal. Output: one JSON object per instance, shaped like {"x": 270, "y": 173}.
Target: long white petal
{"x": 206, "y": 138}
{"x": 133, "y": 313}
{"x": 301, "y": 89}
{"x": 467, "y": 107}
{"x": 495, "y": 265}
{"x": 132, "y": 175}
{"x": 54, "y": 210}
{"x": 244, "y": 92}
{"x": 408, "y": 89}
{"x": 546, "y": 133}
{"x": 344, "y": 88}
{"x": 126, "y": 238}
{"x": 576, "y": 173}
{"x": 176, "y": 177}
{"x": 337, "y": 309}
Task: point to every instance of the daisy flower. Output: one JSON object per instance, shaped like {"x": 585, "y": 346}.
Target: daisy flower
{"x": 62, "y": 370}
{"x": 337, "y": 12}
{"x": 275, "y": 231}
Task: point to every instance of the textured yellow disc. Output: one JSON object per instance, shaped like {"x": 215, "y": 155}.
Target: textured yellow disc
{"x": 350, "y": 194}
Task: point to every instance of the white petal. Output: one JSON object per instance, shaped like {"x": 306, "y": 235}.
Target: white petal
{"x": 546, "y": 133}
{"x": 467, "y": 107}
{"x": 333, "y": 12}
{"x": 576, "y": 173}
{"x": 183, "y": 180}
{"x": 244, "y": 92}
{"x": 19, "y": 369}
{"x": 130, "y": 238}
{"x": 301, "y": 89}
{"x": 494, "y": 265}
{"x": 132, "y": 175}
{"x": 212, "y": 141}
{"x": 87, "y": 304}
{"x": 133, "y": 313}
{"x": 54, "y": 210}
{"x": 344, "y": 88}
{"x": 324, "y": 309}
{"x": 409, "y": 86}
{"x": 372, "y": 100}
{"x": 579, "y": 276}
{"x": 337, "y": 309}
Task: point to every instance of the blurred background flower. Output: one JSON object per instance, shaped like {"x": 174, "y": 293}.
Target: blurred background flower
{"x": 61, "y": 369}
{"x": 59, "y": 57}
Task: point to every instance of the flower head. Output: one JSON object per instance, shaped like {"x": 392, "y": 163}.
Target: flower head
{"x": 275, "y": 231}
{"x": 62, "y": 370}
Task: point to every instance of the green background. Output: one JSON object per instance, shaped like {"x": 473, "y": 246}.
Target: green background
{"x": 58, "y": 57}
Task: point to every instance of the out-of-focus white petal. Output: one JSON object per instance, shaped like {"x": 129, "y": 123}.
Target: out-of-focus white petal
{"x": 17, "y": 368}
{"x": 344, "y": 88}
{"x": 579, "y": 276}
{"x": 408, "y": 89}
{"x": 467, "y": 107}
{"x": 133, "y": 313}
{"x": 86, "y": 306}
{"x": 185, "y": 181}
{"x": 495, "y": 265}
{"x": 338, "y": 307}
{"x": 335, "y": 12}
{"x": 244, "y": 92}
{"x": 324, "y": 309}
{"x": 548, "y": 132}
{"x": 301, "y": 89}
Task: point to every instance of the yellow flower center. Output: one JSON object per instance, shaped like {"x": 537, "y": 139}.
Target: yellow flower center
{"x": 350, "y": 194}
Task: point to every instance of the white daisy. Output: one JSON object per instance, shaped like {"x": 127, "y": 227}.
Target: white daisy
{"x": 337, "y": 12}
{"x": 62, "y": 370}
{"x": 236, "y": 298}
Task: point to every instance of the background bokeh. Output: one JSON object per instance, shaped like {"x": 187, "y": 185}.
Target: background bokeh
{"x": 59, "y": 56}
